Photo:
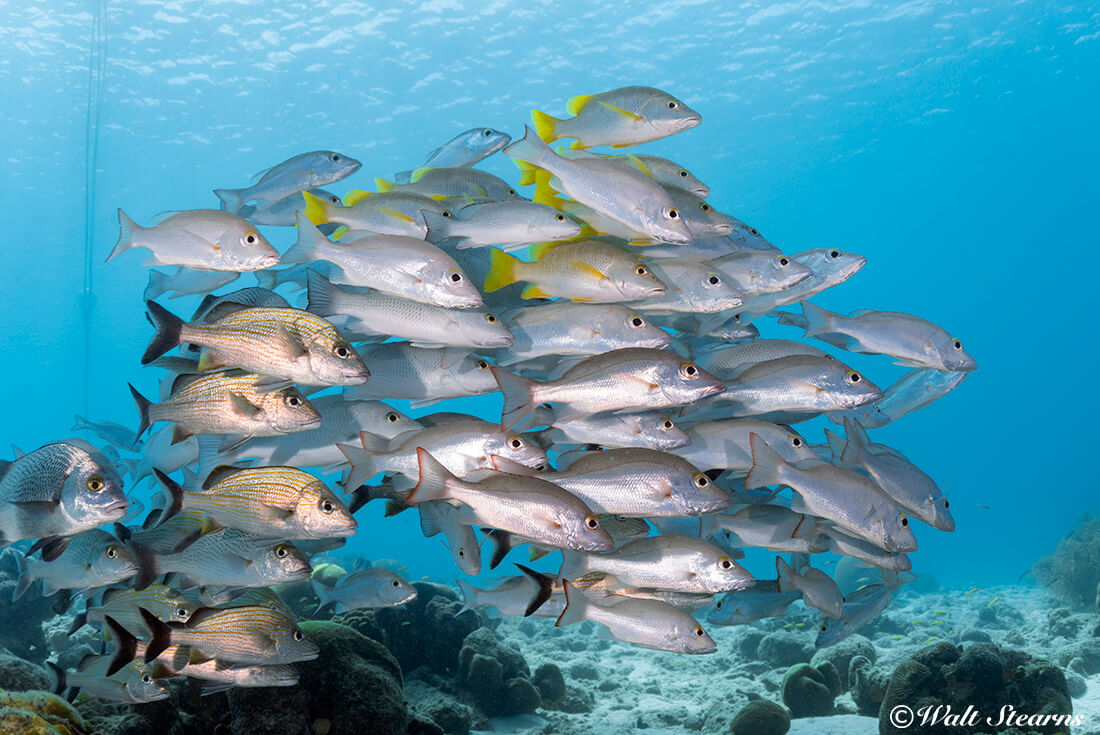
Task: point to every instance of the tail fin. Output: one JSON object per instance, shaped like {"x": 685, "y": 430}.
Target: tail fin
{"x": 127, "y": 228}
{"x": 309, "y": 243}
{"x": 143, "y": 406}
{"x": 158, "y": 284}
{"x": 80, "y": 423}
{"x": 501, "y": 543}
{"x": 22, "y": 564}
{"x": 767, "y": 465}
{"x": 502, "y": 270}
{"x": 383, "y": 186}
{"x": 857, "y": 441}
{"x": 530, "y": 148}
{"x": 323, "y": 296}
{"x": 322, "y": 594}
{"x": 546, "y": 126}
{"x": 167, "y": 336}
{"x": 527, "y": 172}
{"x": 519, "y": 399}
{"x": 576, "y": 606}
{"x": 148, "y": 567}
{"x": 162, "y": 635}
{"x": 836, "y": 445}
{"x": 316, "y": 211}
{"x": 231, "y": 199}
{"x": 59, "y": 678}
{"x": 362, "y": 464}
{"x": 790, "y": 319}
{"x": 434, "y": 477}
{"x": 438, "y": 226}
{"x": 818, "y": 320}
{"x": 785, "y": 572}
{"x": 354, "y": 196}
{"x": 127, "y": 645}
{"x": 545, "y": 584}
{"x": 469, "y": 596}
{"x": 175, "y": 496}
{"x": 573, "y": 564}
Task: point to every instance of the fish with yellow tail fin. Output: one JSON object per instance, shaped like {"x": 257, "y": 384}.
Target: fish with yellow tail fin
{"x": 510, "y": 225}
{"x": 619, "y": 118}
{"x": 581, "y": 270}
{"x": 465, "y": 149}
{"x": 452, "y": 182}
{"x": 396, "y": 213}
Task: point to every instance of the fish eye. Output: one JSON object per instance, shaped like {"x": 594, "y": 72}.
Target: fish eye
{"x": 853, "y": 377}
{"x": 591, "y": 522}
{"x": 636, "y": 321}
{"x": 725, "y": 563}
{"x": 456, "y": 277}
{"x": 490, "y": 318}
{"x": 335, "y": 157}
{"x": 482, "y": 365}
{"x": 689, "y": 370}
{"x": 699, "y": 632}
{"x": 672, "y": 104}
{"x": 341, "y": 350}
{"x": 146, "y": 679}
{"x": 672, "y": 213}
{"x": 446, "y": 213}
{"x": 904, "y": 521}
{"x": 95, "y": 483}
{"x": 395, "y": 583}
{"x": 540, "y": 468}
{"x": 293, "y": 400}
{"x": 462, "y": 553}
{"x": 515, "y": 442}
{"x": 946, "y": 503}
{"x": 824, "y": 627}
{"x": 250, "y": 238}
{"x": 560, "y": 218}
{"x": 641, "y": 270}
{"x": 511, "y": 192}
{"x": 667, "y": 424}
{"x": 796, "y": 441}
{"x": 754, "y": 232}
{"x": 957, "y": 344}
{"x": 718, "y": 605}
{"x": 392, "y": 417}
{"x": 713, "y": 279}
{"x": 683, "y": 174}
{"x": 487, "y": 133}
{"x": 281, "y": 551}
{"x": 111, "y": 551}
{"x": 701, "y": 480}
{"x": 182, "y": 612}
{"x": 705, "y": 207}
{"x": 299, "y": 636}
{"x": 834, "y": 254}
{"x": 327, "y": 506}
{"x": 335, "y": 199}
{"x": 783, "y": 261}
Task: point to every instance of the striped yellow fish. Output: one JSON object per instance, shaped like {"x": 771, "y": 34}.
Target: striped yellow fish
{"x": 274, "y": 502}
{"x": 251, "y": 634}
{"x": 288, "y": 344}
{"x": 122, "y": 604}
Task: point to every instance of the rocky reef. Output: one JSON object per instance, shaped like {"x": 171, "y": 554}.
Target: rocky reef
{"x": 1072, "y": 572}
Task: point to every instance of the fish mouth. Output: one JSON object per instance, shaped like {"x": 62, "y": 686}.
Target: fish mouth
{"x": 267, "y": 261}
{"x": 700, "y": 191}
{"x": 356, "y": 377}
{"x": 116, "y": 510}
{"x": 501, "y": 341}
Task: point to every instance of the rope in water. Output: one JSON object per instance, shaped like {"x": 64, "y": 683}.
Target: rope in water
{"x": 97, "y": 61}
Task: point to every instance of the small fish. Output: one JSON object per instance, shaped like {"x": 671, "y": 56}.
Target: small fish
{"x": 582, "y": 270}
{"x": 229, "y": 557}
{"x": 123, "y": 603}
{"x": 509, "y": 224}
{"x": 866, "y": 551}
{"x": 569, "y": 328}
{"x": 724, "y": 444}
{"x": 527, "y": 506}
{"x": 531, "y": 593}
{"x": 770, "y": 527}
{"x": 400, "y": 371}
{"x": 465, "y": 149}
{"x": 619, "y": 118}
{"x": 912, "y": 341}
{"x": 916, "y": 389}
{"x": 648, "y": 623}
{"x": 461, "y": 539}
{"x": 91, "y": 559}
{"x": 271, "y": 502}
{"x": 217, "y": 676}
{"x": 675, "y": 563}
{"x": 116, "y": 435}
{"x": 454, "y": 181}
{"x": 850, "y": 499}
{"x": 58, "y": 491}
{"x": 729, "y": 361}
{"x": 284, "y": 213}
{"x": 364, "y": 212}
{"x": 860, "y": 608}
{"x": 251, "y": 634}
{"x": 691, "y": 286}
{"x": 830, "y": 267}
{"x": 756, "y": 272}
{"x": 663, "y": 171}
{"x": 972, "y": 590}
{"x": 378, "y": 315}
{"x": 650, "y": 429}
{"x": 117, "y": 677}
{"x": 818, "y": 588}
{"x": 292, "y": 344}
{"x": 366, "y": 588}
{"x": 184, "y": 281}
{"x": 759, "y": 601}
{"x": 393, "y": 264}
{"x": 199, "y": 238}
{"x": 629, "y": 197}
{"x": 991, "y": 602}
{"x": 232, "y": 402}
{"x": 302, "y": 172}
{"x": 633, "y": 379}
{"x": 797, "y": 384}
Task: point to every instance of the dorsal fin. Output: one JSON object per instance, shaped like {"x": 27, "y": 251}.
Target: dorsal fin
{"x": 218, "y": 474}
{"x": 223, "y": 310}
{"x": 418, "y": 174}
{"x": 578, "y": 103}
{"x": 640, "y": 164}
{"x": 355, "y": 196}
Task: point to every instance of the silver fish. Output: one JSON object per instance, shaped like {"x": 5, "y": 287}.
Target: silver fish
{"x": 770, "y": 527}
{"x": 365, "y": 588}
{"x": 230, "y": 558}
{"x": 184, "y": 281}
{"x": 284, "y": 213}
{"x": 860, "y": 608}
{"x": 509, "y": 224}
{"x": 651, "y": 429}
{"x": 724, "y": 444}
{"x": 250, "y": 634}
{"x": 199, "y": 238}
{"x": 91, "y": 559}
{"x": 619, "y": 118}
{"x": 530, "y": 593}
{"x": 400, "y": 371}
{"x": 818, "y": 588}
{"x": 465, "y": 149}
{"x": 761, "y": 600}
{"x": 302, "y": 172}
{"x": 453, "y": 181}
{"x": 566, "y": 328}
{"x": 912, "y": 391}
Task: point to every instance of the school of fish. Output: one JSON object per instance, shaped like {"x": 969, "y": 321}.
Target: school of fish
{"x": 648, "y": 430}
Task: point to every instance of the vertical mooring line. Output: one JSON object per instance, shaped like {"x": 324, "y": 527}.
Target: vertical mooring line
{"x": 97, "y": 61}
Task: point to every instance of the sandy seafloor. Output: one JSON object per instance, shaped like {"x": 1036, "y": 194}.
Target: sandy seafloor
{"x": 636, "y": 689}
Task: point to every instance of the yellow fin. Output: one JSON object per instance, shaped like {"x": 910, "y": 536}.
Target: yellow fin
{"x": 438, "y": 197}
{"x": 469, "y": 199}
{"x": 542, "y": 184}
{"x": 591, "y": 270}
{"x": 531, "y": 291}
{"x": 546, "y": 126}
{"x": 397, "y": 215}
{"x": 546, "y": 195}
{"x": 502, "y": 270}
{"x": 355, "y": 196}
{"x": 417, "y": 174}
{"x": 621, "y": 111}
{"x": 383, "y": 186}
{"x": 539, "y": 249}
{"x": 527, "y": 172}
{"x": 315, "y": 209}
{"x": 339, "y": 231}
{"x": 578, "y": 103}
{"x": 640, "y": 164}
{"x": 207, "y": 361}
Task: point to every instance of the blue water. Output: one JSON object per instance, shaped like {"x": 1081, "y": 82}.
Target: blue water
{"x": 953, "y": 144}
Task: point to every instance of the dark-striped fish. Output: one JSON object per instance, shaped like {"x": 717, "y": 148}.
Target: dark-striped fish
{"x": 250, "y": 634}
